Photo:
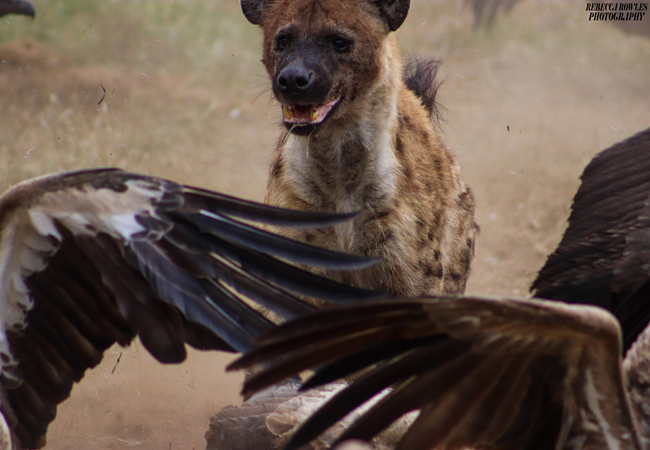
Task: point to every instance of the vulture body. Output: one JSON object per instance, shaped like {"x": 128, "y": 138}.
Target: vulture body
{"x": 500, "y": 373}
{"x": 95, "y": 257}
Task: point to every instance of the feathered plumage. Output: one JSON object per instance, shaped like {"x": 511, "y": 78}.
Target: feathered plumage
{"x": 94, "y": 257}
{"x": 484, "y": 373}
{"x": 604, "y": 256}
{"x": 500, "y": 373}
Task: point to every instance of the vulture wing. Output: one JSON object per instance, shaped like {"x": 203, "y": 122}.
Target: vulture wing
{"x": 483, "y": 373}
{"x": 604, "y": 256}
{"x": 94, "y": 257}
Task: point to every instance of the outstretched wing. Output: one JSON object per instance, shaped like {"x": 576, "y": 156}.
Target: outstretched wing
{"x": 94, "y": 257}
{"x": 604, "y": 256}
{"x": 484, "y": 373}
{"x": 22, "y": 7}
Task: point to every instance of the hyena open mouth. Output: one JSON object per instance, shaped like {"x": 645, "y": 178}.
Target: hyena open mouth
{"x": 308, "y": 114}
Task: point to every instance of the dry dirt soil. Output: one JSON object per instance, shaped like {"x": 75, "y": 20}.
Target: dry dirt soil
{"x": 528, "y": 103}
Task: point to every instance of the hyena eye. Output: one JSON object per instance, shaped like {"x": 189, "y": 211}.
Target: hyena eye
{"x": 281, "y": 42}
{"x": 341, "y": 44}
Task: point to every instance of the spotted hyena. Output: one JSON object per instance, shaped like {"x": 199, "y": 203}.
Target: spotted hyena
{"x": 360, "y": 137}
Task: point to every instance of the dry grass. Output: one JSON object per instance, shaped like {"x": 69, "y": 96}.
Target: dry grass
{"x": 179, "y": 88}
{"x": 186, "y": 100}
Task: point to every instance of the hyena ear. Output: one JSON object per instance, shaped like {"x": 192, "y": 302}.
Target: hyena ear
{"x": 255, "y": 10}
{"x": 393, "y": 11}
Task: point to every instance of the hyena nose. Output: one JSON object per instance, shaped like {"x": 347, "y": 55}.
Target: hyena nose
{"x": 295, "y": 78}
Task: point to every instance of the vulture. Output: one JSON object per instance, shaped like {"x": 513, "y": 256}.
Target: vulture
{"x": 94, "y": 257}
{"x": 499, "y": 373}
{"x": 22, "y": 7}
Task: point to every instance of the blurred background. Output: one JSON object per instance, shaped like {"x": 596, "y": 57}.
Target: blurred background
{"x": 529, "y": 101}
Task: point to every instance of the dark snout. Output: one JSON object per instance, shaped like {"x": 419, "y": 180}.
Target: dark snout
{"x": 302, "y": 80}
{"x": 295, "y": 78}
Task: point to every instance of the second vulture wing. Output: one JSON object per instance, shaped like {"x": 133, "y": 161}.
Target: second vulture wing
{"x": 483, "y": 373}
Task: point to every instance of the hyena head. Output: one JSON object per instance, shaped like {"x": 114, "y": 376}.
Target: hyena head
{"x": 321, "y": 55}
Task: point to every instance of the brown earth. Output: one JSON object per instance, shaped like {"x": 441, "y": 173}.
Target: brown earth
{"x": 528, "y": 102}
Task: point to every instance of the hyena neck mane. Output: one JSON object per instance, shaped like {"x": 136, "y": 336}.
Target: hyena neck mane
{"x": 354, "y": 165}
{"x": 421, "y": 77}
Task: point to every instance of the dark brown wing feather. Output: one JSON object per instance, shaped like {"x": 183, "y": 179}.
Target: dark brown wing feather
{"x": 604, "y": 256}
{"x": 483, "y": 373}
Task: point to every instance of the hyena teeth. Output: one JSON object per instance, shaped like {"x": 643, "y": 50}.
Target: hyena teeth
{"x": 313, "y": 115}
{"x": 288, "y": 113}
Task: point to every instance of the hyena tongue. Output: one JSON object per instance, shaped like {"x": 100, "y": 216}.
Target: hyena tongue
{"x": 305, "y": 113}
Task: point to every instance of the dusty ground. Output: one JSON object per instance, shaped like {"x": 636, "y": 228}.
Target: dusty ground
{"x": 529, "y": 102}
